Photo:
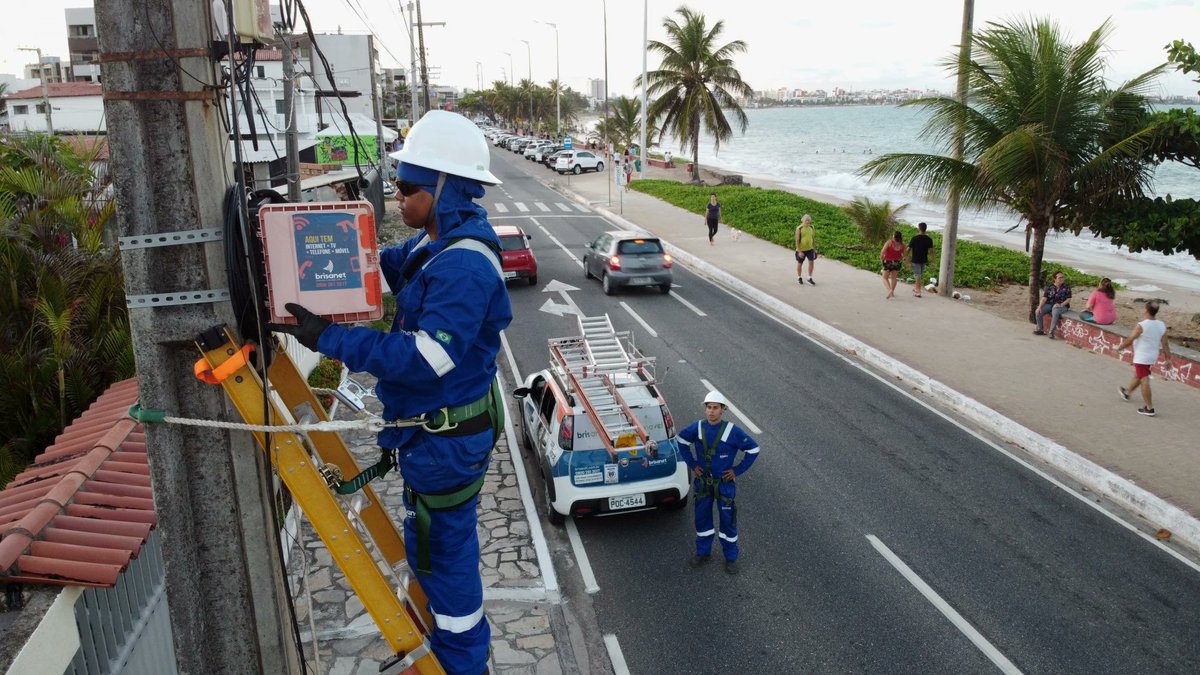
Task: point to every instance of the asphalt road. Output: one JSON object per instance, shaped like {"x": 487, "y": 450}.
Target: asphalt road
{"x": 855, "y": 483}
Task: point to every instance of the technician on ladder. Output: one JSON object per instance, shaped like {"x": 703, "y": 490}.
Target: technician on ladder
{"x": 710, "y": 448}
{"x": 438, "y": 361}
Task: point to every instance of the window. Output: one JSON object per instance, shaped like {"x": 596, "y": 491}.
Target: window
{"x": 640, "y": 246}
{"x": 82, "y": 31}
{"x": 260, "y": 72}
{"x": 280, "y": 108}
{"x": 41, "y": 108}
{"x": 514, "y": 242}
{"x": 20, "y": 110}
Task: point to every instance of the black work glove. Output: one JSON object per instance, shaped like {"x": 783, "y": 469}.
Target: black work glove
{"x": 308, "y": 332}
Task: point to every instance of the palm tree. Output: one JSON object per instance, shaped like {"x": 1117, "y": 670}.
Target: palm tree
{"x": 696, "y": 84}
{"x": 624, "y": 121}
{"x": 876, "y": 220}
{"x": 1045, "y": 136}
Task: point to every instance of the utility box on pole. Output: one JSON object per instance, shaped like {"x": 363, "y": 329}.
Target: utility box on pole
{"x": 164, "y": 106}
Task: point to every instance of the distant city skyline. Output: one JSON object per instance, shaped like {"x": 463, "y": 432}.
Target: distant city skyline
{"x": 877, "y": 44}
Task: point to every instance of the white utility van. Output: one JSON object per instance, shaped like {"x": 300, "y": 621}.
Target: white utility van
{"x": 602, "y": 433}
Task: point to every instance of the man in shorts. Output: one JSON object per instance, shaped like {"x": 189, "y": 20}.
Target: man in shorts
{"x": 806, "y": 249}
{"x": 920, "y": 245}
{"x": 1147, "y": 338}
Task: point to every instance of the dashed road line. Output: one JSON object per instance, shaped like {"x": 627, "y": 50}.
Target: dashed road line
{"x": 501, "y": 207}
{"x": 615, "y": 655}
{"x": 521, "y": 207}
{"x": 651, "y": 331}
{"x": 688, "y": 304}
{"x": 581, "y": 556}
{"x": 944, "y": 607}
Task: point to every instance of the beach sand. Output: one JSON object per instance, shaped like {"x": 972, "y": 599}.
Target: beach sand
{"x": 1182, "y": 315}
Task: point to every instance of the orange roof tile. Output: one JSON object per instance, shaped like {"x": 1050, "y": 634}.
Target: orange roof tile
{"x": 60, "y": 90}
{"x": 84, "y": 508}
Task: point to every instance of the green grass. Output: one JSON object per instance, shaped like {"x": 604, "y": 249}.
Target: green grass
{"x": 773, "y": 215}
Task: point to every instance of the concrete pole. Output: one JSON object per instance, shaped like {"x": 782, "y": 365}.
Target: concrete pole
{"x": 380, "y": 146}
{"x": 415, "y": 113}
{"x": 529, "y": 62}
{"x": 645, "y": 41}
{"x": 45, "y": 88}
{"x": 424, "y": 64}
{"x": 945, "y": 283}
{"x": 290, "y": 136}
{"x": 610, "y": 157}
{"x": 220, "y": 543}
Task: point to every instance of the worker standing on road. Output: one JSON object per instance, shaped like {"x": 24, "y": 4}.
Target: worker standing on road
{"x": 710, "y": 448}
{"x": 437, "y": 363}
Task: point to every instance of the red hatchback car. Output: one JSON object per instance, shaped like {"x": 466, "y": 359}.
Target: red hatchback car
{"x": 515, "y": 257}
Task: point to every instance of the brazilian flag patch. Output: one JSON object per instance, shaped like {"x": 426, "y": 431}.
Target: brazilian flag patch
{"x": 442, "y": 336}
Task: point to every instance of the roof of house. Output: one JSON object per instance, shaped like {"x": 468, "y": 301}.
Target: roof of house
{"x": 88, "y": 145}
{"x": 84, "y": 508}
{"x": 59, "y": 90}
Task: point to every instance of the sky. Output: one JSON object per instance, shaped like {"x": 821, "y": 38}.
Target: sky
{"x": 862, "y": 44}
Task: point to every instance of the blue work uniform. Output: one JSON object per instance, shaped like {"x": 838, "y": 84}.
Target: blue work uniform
{"x": 451, "y": 304}
{"x": 714, "y": 449}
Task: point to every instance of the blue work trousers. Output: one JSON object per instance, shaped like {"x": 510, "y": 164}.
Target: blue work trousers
{"x": 461, "y": 635}
{"x": 727, "y": 508}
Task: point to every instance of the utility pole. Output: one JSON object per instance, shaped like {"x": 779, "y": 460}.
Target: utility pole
{"x": 945, "y": 283}
{"x": 290, "y": 135}
{"x": 642, "y": 153}
{"x": 45, "y": 88}
{"x": 529, "y": 62}
{"x": 412, "y": 74}
{"x": 373, "y": 55}
{"x": 608, "y": 157}
{"x": 221, "y": 556}
{"x": 424, "y": 63}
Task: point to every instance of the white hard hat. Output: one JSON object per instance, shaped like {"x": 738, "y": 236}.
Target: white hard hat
{"x": 716, "y": 397}
{"x": 450, "y": 143}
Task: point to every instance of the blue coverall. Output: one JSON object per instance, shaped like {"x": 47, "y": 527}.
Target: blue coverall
{"x": 441, "y": 352}
{"x": 714, "y": 450}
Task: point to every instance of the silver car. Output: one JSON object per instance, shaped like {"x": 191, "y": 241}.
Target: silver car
{"x": 621, "y": 259}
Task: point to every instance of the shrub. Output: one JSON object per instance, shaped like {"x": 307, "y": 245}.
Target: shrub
{"x": 773, "y": 215}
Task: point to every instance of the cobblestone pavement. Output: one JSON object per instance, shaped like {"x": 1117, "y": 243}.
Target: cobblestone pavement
{"x": 515, "y": 598}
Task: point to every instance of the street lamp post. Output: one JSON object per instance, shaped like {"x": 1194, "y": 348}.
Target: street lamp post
{"x": 45, "y": 87}
{"x": 642, "y": 153}
{"x": 510, "y": 69}
{"x": 557, "y": 81}
{"x": 529, "y": 61}
{"x": 608, "y": 182}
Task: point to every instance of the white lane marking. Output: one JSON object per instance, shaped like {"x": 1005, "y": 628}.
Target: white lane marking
{"x": 581, "y": 208}
{"x": 501, "y": 208}
{"x": 651, "y": 331}
{"x": 562, "y": 206}
{"x": 543, "y": 207}
{"x": 556, "y": 241}
{"x": 944, "y": 607}
{"x": 581, "y": 557}
{"x": 545, "y": 562}
{"x": 753, "y": 427}
{"x": 521, "y": 207}
{"x": 986, "y": 441}
{"x": 615, "y": 654}
{"x": 688, "y": 304}
{"x": 579, "y": 215}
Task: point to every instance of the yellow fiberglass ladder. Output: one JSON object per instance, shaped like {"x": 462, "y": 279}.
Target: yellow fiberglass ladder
{"x": 594, "y": 366}
{"x": 311, "y": 465}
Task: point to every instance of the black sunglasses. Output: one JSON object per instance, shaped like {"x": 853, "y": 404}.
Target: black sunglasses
{"x": 409, "y": 189}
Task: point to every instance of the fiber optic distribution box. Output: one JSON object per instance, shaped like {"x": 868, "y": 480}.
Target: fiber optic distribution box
{"x": 322, "y": 255}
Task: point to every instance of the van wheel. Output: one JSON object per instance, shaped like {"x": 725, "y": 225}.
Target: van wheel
{"x": 556, "y": 518}
{"x": 676, "y": 506}
{"x": 577, "y": 170}
{"x": 606, "y": 284}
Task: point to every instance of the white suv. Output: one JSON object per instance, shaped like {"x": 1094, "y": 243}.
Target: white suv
{"x": 578, "y": 161}
{"x": 532, "y": 148}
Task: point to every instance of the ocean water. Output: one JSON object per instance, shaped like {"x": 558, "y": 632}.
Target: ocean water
{"x": 820, "y": 149}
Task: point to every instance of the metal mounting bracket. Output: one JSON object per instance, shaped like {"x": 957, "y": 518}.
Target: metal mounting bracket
{"x": 178, "y": 298}
{"x": 171, "y": 238}
{"x": 397, "y": 665}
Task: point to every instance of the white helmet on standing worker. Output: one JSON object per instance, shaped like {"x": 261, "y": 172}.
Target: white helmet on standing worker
{"x": 450, "y": 143}
{"x": 716, "y": 397}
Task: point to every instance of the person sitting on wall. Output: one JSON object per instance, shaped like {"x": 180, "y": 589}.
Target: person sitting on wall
{"x": 1100, "y": 307}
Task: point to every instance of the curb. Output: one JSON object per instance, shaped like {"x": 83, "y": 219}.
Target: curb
{"x": 1184, "y": 528}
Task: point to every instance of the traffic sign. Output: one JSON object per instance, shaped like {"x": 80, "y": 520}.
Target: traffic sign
{"x": 567, "y": 143}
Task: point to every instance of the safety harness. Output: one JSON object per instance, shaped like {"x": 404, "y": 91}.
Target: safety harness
{"x": 708, "y": 483}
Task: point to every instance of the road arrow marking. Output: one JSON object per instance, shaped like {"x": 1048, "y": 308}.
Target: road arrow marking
{"x": 568, "y": 306}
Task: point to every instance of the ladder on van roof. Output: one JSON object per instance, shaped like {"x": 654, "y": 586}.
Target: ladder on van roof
{"x": 587, "y": 365}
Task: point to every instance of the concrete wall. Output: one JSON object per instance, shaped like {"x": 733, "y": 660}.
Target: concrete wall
{"x": 72, "y": 113}
{"x": 1184, "y": 366}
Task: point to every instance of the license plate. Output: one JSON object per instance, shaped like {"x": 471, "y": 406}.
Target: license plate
{"x": 510, "y": 275}
{"x": 641, "y": 281}
{"x": 626, "y": 502}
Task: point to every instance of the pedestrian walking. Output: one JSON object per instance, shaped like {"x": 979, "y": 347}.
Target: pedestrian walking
{"x": 712, "y": 216}
{"x": 1055, "y": 301}
{"x": 438, "y": 363}
{"x": 710, "y": 448}
{"x": 1147, "y": 338}
{"x": 806, "y": 249}
{"x": 892, "y": 256}
{"x": 920, "y": 246}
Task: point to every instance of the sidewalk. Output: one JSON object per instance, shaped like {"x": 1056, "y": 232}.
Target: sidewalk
{"x": 1066, "y": 396}
{"x": 524, "y": 616}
